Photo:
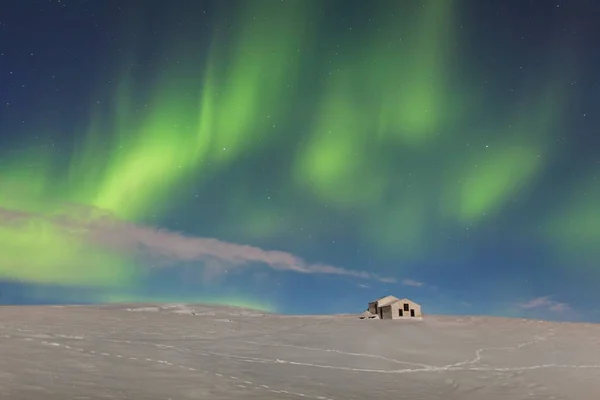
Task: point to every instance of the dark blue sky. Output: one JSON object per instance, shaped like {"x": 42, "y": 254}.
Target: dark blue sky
{"x": 302, "y": 156}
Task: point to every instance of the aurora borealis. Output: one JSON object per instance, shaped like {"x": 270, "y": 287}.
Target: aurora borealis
{"x": 288, "y": 153}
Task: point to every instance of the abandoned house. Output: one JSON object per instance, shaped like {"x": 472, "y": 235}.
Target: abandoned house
{"x": 390, "y": 307}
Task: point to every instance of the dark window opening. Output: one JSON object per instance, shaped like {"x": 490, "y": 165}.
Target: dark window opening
{"x": 405, "y": 306}
{"x": 412, "y": 313}
{"x": 400, "y": 313}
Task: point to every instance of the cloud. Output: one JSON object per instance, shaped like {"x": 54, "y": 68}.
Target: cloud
{"x": 545, "y": 302}
{"x": 162, "y": 247}
{"x": 412, "y": 282}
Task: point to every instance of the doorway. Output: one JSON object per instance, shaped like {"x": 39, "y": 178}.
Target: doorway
{"x": 412, "y": 313}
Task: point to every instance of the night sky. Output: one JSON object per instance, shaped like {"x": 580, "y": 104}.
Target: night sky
{"x": 302, "y": 156}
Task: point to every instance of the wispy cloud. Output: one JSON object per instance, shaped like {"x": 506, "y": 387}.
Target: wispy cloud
{"x": 412, "y": 282}
{"x": 545, "y": 302}
{"x": 164, "y": 247}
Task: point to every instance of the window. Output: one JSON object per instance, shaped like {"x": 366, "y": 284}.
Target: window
{"x": 405, "y": 306}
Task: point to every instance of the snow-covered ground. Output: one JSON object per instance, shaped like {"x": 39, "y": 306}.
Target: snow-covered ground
{"x": 182, "y": 351}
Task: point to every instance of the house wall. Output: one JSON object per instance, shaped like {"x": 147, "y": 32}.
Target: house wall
{"x": 387, "y": 312}
{"x": 411, "y": 306}
{"x": 394, "y": 310}
{"x": 391, "y": 311}
{"x": 396, "y": 307}
{"x": 418, "y": 312}
{"x": 373, "y": 307}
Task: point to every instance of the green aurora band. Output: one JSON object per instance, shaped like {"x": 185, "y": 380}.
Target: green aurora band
{"x": 385, "y": 108}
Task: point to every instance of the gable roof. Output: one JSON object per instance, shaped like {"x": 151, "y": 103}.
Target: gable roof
{"x": 407, "y": 300}
{"x": 404, "y": 300}
{"x": 384, "y": 301}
